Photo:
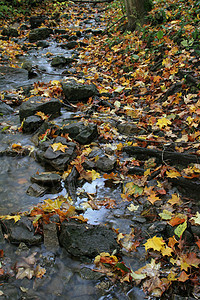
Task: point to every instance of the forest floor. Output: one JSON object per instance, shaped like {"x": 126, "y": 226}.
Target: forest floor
{"x": 135, "y": 100}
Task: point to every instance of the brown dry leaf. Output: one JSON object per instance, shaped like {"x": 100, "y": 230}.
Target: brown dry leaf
{"x": 183, "y": 277}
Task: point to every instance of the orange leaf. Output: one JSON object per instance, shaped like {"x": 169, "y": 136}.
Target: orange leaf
{"x": 172, "y": 242}
{"x": 183, "y": 277}
{"x": 198, "y": 243}
{"x": 176, "y": 221}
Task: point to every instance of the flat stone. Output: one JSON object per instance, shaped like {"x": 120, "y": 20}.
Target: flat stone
{"x": 46, "y": 178}
{"x": 36, "y": 190}
{"x": 34, "y": 104}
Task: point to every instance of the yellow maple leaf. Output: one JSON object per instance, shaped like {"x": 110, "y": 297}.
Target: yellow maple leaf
{"x": 172, "y": 173}
{"x": 153, "y": 198}
{"x": 93, "y": 174}
{"x": 166, "y": 251}
{"x": 174, "y": 200}
{"x": 155, "y": 243}
{"x": 59, "y": 146}
{"x": 163, "y": 122}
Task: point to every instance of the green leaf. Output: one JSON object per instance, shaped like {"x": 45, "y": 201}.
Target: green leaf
{"x": 135, "y": 56}
{"x": 122, "y": 267}
{"x": 160, "y": 34}
{"x": 180, "y": 229}
{"x": 184, "y": 43}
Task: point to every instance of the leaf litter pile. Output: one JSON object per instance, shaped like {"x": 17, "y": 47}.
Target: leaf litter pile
{"x": 147, "y": 114}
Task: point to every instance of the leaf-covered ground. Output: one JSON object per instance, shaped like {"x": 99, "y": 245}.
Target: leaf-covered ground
{"x": 148, "y": 82}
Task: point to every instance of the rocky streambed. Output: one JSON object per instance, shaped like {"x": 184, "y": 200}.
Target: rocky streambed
{"x": 62, "y": 183}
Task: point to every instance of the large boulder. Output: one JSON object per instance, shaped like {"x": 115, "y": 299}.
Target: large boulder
{"x": 39, "y": 34}
{"x": 34, "y": 104}
{"x": 74, "y": 91}
{"x": 84, "y": 240}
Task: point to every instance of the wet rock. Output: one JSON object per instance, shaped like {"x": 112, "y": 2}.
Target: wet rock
{"x": 27, "y": 65}
{"x": 61, "y": 61}
{"x": 106, "y": 164}
{"x": 34, "y": 104}
{"x": 31, "y": 124}
{"x": 36, "y": 190}
{"x": 36, "y": 21}
{"x": 57, "y": 159}
{"x": 46, "y": 178}
{"x": 81, "y": 133}
{"x": 50, "y": 237}
{"x": 84, "y": 240}
{"x": 89, "y": 274}
{"x": 5, "y": 109}
{"x": 42, "y": 44}
{"x": 136, "y": 294}
{"x": 195, "y": 230}
{"x": 10, "y": 32}
{"x": 74, "y": 91}
{"x": 9, "y": 76}
{"x": 70, "y": 45}
{"x": 21, "y": 231}
{"x": 73, "y": 129}
{"x": 87, "y": 135}
{"x": 39, "y": 34}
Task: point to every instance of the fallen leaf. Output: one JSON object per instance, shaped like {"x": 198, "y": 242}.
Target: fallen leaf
{"x": 155, "y": 243}
{"x": 196, "y": 218}
{"x": 183, "y": 277}
{"x": 180, "y": 229}
{"x": 59, "y": 147}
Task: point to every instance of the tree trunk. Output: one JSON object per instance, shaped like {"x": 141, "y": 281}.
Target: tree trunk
{"x": 136, "y": 11}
